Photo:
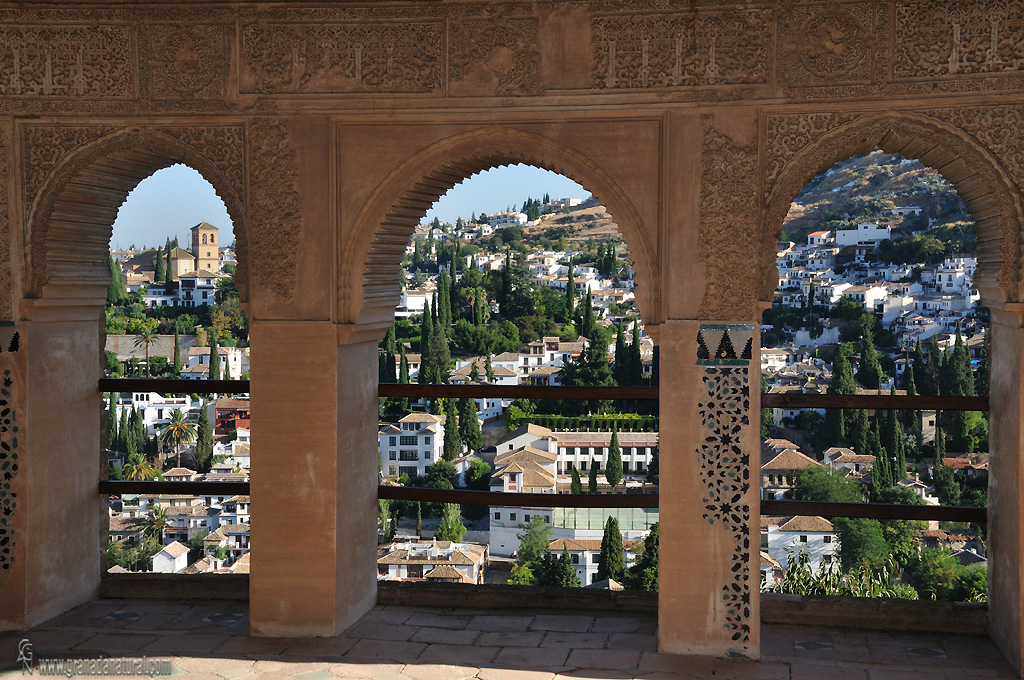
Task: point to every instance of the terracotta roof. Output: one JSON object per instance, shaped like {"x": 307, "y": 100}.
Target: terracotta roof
{"x": 591, "y": 545}
{"x": 175, "y": 549}
{"x": 530, "y": 428}
{"x": 444, "y": 571}
{"x": 780, "y": 444}
{"x": 806, "y": 523}
{"x": 421, "y": 418}
{"x": 122, "y": 524}
{"x": 118, "y": 569}
{"x": 241, "y": 565}
{"x": 767, "y": 561}
{"x": 526, "y": 453}
{"x": 178, "y": 471}
{"x": 790, "y": 459}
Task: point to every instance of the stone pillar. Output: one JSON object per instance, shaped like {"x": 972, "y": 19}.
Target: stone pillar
{"x": 52, "y": 518}
{"x": 709, "y": 583}
{"x": 1006, "y": 486}
{"x": 314, "y": 486}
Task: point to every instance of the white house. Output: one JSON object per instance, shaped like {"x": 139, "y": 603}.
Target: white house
{"x": 863, "y": 234}
{"x": 156, "y": 409}
{"x": 411, "y": 446}
{"x": 436, "y": 561}
{"x": 527, "y": 470}
{"x": 236, "y": 452}
{"x": 586, "y": 554}
{"x": 784, "y": 538}
{"x": 199, "y": 357}
{"x": 171, "y": 559}
{"x": 197, "y": 288}
{"x": 506, "y": 219}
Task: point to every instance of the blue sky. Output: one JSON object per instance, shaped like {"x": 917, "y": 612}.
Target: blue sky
{"x": 175, "y": 199}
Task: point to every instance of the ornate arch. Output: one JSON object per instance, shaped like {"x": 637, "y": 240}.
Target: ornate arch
{"x": 386, "y": 222}
{"x": 800, "y": 146}
{"x": 76, "y": 178}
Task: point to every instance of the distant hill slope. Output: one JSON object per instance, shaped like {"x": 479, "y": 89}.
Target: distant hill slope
{"x": 586, "y": 221}
{"x": 859, "y": 189}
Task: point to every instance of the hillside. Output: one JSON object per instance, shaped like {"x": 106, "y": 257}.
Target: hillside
{"x": 859, "y": 189}
{"x": 580, "y": 224}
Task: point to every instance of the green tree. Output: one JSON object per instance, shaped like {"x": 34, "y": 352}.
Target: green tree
{"x": 766, "y": 413}
{"x": 643, "y": 575}
{"x": 947, "y": 488}
{"x": 169, "y": 269}
{"x": 576, "y": 487}
{"x": 116, "y": 292}
{"x": 158, "y": 269}
{"x": 403, "y": 377}
{"x": 204, "y": 441}
{"x": 612, "y": 560}
{"x": 819, "y": 483}
{"x": 469, "y": 425}
{"x": 592, "y": 480}
{"x": 842, "y": 382}
{"x": 860, "y": 541}
{"x": 652, "y": 468}
{"x": 451, "y": 527}
{"x": 613, "y": 465}
{"x": 155, "y": 523}
{"x": 146, "y": 338}
{"x": 112, "y": 421}
{"x": 178, "y": 432}
{"x": 442, "y": 475}
{"x": 935, "y": 574}
{"x": 478, "y": 475}
{"x": 177, "y": 353}
{"x": 122, "y": 431}
{"x": 214, "y": 370}
{"x": 869, "y": 370}
{"x": 981, "y": 377}
{"x": 489, "y": 370}
{"x": 533, "y": 542}
{"x": 426, "y": 333}
{"x": 558, "y": 572}
{"x": 570, "y": 292}
{"x": 137, "y": 468}
{"x": 521, "y": 575}
{"x": 451, "y": 448}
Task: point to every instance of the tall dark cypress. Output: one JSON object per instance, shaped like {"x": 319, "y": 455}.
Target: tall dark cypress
{"x": 570, "y": 293}
{"x": 426, "y": 331}
{"x": 636, "y": 363}
{"x": 621, "y": 371}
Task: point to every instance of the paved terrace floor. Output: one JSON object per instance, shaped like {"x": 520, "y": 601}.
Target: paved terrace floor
{"x": 207, "y": 641}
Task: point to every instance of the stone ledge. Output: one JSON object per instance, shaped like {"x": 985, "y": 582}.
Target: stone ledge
{"x": 175, "y": 586}
{"x": 491, "y": 596}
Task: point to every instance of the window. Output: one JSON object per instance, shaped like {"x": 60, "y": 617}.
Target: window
{"x": 512, "y": 516}
{"x": 407, "y": 440}
{"x": 803, "y": 539}
{"x": 407, "y": 470}
{"x": 497, "y": 515}
{"x": 828, "y": 539}
{"x": 426, "y": 440}
{"x": 512, "y": 477}
{"x": 406, "y": 454}
{"x": 526, "y": 518}
{"x": 392, "y": 441}
{"x": 826, "y": 559}
{"x": 393, "y": 455}
{"x": 547, "y": 520}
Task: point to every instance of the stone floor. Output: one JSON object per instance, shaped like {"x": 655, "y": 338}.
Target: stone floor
{"x": 207, "y": 641}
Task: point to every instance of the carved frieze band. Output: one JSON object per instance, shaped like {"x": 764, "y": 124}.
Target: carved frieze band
{"x": 728, "y": 220}
{"x": 8, "y": 467}
{"x": 5, "y": 221}
{"x": 275, "y": 208}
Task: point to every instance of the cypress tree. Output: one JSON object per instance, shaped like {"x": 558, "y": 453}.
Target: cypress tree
{"x": 621, "y": 371}
{"x": 122, "y": 431}
{"x": 469, "y": 425}
{"x": 158, "y": 269}
{"x": 652, "y": 468}
{"x": 116, "y": 291}
{"x": 214, "y": 371}
{"x": 929, "y": 384}
{"x": 636, "y": 364}
{"x": 570, "y": 293}
{"x": 403, "y": 376}
{"x": 577, "y": 484}
{"x": 962, "y": 422}
{"x": 111, "y": 422}
{"x": 390, "y": 349}
{"x": 841, "y": 383}
{"x": 911, "y": 386}
{"x": 444, "y": 303}
{"x": 592, "y": 480}
{"x": 489, "y": 370}
{"x": 869, "y": 371}
{"x": 474, "y": 372}
{"x": 426, "y": 332}
{"x": 177, "y": 352}
{"x": 451, "y": 448}
{"x": 612, "y": 561}
{"x": 857, "y": 430}
{"x": 918, "y": 364}
{"x": 168, "y": 269}
{"x": 587, "y": 317}
{"x": 613, "y": 467}
{"x": 204, "y": 441}
{"x": 981, "y": 378}
{"x": 440, "y": 356}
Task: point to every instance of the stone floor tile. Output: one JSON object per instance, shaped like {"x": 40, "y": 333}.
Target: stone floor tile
{"x": 488, "y": 622}
{"x": 431, "y": 671}
{"x": 292, "y": 667}
{"x": 46, "y": 640}
{"x": 674, "y": 663}
{"x": 741, "y": 669}
{"x": 376, "y": 630}
{"x": 393, "y": 614}
{"x": 198, "y": 676}
{"x": 610, "y": 624}
{"x": 192, "y": 643}
{"x": 595, "y": 674}
{"x": 120, "y": 641}
{"x": 677, "y": 675}
{"x": 446, "y": 636}
{"x": 357, "y": 669}
{"x": 452, "y": 621}
{"x": 575, "y": 640}
{"x": 211, "y": 665}
{"x": 564, "y": 623}
{"x": 644, "y": 643}
{"x": 315, "y": 675}
{"x": 514, "y": 674}
{"x": 252, "y": 646}
{"x": 800, "y": 670}
{"x": 470, "y": 655}
{"x": 888, "y": 674}
{"x": 320, "y": 647}
{"x": 525, "y": 639}
{"x": 531, "y": 658}
{"x": 618, "y": 659}
{"x": 395, "y": 650}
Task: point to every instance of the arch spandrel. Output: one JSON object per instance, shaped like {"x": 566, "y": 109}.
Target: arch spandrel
{"x": 800, "y": 146}
{"x": 74, "y": 180}
{"x": 372, "y": 252}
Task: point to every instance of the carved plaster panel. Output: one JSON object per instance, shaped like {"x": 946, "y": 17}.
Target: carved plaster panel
{"x": 491, "y": 56}
{"x": 829, "y": 45}
{"x": 66, "y": 61}
{"x": 393, "y": 57}
{"x": 8, "y": 468}
{"x": 45, "y": 147}
{"x": 275, "y": 209}
{"x": 671, "y": 49}
{"x": 185, "y": 60}
{"x": 728, "y": 219}
{"x": 5, "y": 224}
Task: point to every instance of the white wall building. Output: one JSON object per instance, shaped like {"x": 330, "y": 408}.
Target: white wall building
{"x": 412, "y": 445}
{"x": 171, "y": 559}
{"x": 784, "y": 538}
{"x": 506, "y": 219}
{"x": 864, "y": 234}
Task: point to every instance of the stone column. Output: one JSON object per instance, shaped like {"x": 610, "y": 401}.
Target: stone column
{"x": 314, "y": 486}
{"x": 709, "y": 582}
{"x": 1006, "y": 486}
{"x": 52, "y": 518}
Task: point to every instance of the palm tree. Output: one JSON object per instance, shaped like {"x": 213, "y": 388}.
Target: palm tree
{"x": 156, "y": 522}
{"x": 144, "y": 338}
{"x": 137, "y": 468}
{"x": 177, "y": 432}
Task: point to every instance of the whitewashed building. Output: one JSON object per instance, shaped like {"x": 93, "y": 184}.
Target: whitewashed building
{"x": 410, "y": 446}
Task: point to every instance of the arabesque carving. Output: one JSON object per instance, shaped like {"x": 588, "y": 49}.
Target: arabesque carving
{"x": 681, "y": 48}
{"x": 275, "y": 209}
{"x": 5, "y": 224}
{"x": 45, "y": 146}
{"x": 831, "y": 45}
{"x": 367, "y": 56}
{"x": 66, "y": 61}
{"x": 185, "y": 61}
{"x": 491, "y": 56}
{"x": 728, "y": 213}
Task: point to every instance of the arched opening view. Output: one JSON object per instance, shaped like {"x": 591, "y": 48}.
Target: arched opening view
{"x": 518, "y": 277}
{"x": 173, "y": 312}
{"x": 876, "y": 296}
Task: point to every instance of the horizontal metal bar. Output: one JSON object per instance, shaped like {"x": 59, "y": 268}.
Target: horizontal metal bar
{"x": 516, "y": 500}
{"x": 875, "y": 511}
{"x": 174, "y": 386}
{"x": 884, "y": 402}
{"x": 117, "y": 487}
{"x": 394, "y": 390}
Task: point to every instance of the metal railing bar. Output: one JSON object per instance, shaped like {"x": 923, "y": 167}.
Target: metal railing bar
{"x": 173, "y": 386}
{"x": 882, "y": 402}
{"x": 117, "y": 487}
{"x": 875, "y": 511}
